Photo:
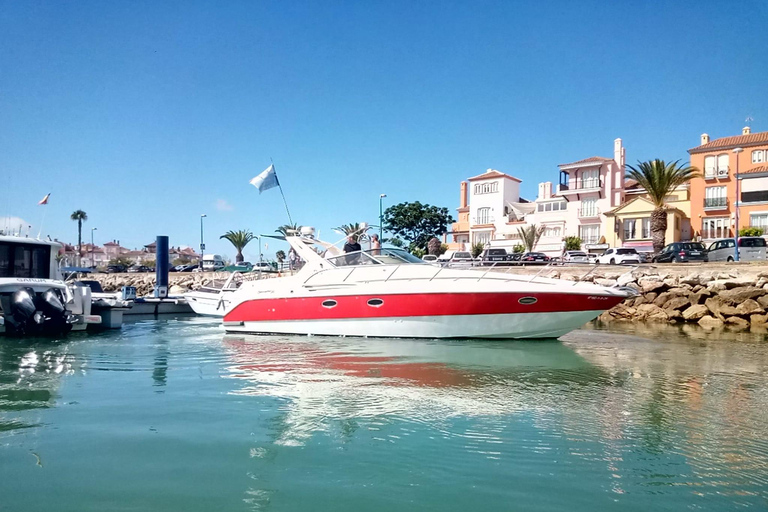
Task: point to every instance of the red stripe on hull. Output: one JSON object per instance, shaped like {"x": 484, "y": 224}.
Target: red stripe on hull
{"x": 410, "y": 305}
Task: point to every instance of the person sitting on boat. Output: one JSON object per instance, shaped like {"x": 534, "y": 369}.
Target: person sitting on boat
{"x": 352, "y": 246}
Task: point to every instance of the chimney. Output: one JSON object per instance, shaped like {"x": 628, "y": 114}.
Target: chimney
{"x": 704, "y": 139}
{"x": 547, "y": 189}
{"x": 746, "y": 130}
{"x": 463, "y": 198}
{"x": 618, "y": 152}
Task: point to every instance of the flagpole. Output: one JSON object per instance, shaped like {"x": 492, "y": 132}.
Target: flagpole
{"x": 290, "y": 220}
{"x": 41, "y": 222}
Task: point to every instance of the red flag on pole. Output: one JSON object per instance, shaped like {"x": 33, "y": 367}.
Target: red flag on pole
{"x": 45, "y": 199}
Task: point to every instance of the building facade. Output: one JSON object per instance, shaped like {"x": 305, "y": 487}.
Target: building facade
{"x": 725, "y": 163}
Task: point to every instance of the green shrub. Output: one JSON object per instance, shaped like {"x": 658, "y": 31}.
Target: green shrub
{"x": 572, "y": 243}
{"x": 751, "y": 231}
{"x": 477, "y": 249}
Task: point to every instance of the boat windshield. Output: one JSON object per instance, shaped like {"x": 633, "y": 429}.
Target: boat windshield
{"x": 384, "y": 256}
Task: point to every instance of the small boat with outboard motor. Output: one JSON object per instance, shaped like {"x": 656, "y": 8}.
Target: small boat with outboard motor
{"x": 388, "y": 292}
{"x": 34, "y": 300}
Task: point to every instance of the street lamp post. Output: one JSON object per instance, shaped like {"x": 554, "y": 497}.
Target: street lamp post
{"x": 381, "y": 217}
{"x": 202, "y": 243}
{"x": 92, "y": 263}
{"x": 737, "y": 151}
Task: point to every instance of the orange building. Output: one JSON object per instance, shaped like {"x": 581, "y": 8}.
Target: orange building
{"x": 713, "y": 196}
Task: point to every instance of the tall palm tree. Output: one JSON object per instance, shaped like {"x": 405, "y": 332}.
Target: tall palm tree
{"x": 239, "y": 239}
{"x": 659, "y": 179}
{"x": 530, "y": 236}
{"x": 354, "y": 229}
{"x": 80, "y": 216}
{"x": 288, "y": 229}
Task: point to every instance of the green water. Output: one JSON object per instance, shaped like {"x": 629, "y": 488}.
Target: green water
{"x": 175, "y": 415}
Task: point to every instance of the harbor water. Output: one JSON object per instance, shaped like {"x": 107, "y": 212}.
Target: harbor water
{"x": 173, "y": 414}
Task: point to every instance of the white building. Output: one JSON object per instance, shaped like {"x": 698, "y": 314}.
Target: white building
{"x": 495, "y": 208}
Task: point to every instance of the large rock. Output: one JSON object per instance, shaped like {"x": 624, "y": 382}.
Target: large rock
{"x": 740, "y": 294}
{"x": 692, "y": 279}
{"x": 695, "y": 312}
{"x": 605, "y": 282}
{"x": 677, "y": 303}
{"x": 700, "y": 296}
{"x": 720, "y": 308}
{"x": 763, "y": 301}
{"x": 651, "y": 285}
{"x": 736, "y": 322}
{"x": 710, "y": 322}
{"x": 625, "y": 279}
{"x": 651, "y": 313}
{"x": 749, "y": 307}
{"x": 758, "y": 319}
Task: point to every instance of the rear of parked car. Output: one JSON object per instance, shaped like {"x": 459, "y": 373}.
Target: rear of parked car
{"x": 682, "y": 252}
{"x": 497, "y": 256}
{"x": 751, "y": 248}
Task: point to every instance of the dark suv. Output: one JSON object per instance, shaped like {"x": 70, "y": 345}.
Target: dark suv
{"x": 680, "y": 252}
{"x": 495, "y": 256}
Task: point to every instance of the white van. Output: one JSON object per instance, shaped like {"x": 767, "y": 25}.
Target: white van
{"x": 751, "y": 248}
{"x": 212, "y": 262}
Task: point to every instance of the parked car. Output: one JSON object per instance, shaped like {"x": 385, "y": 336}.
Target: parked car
{"x": 116, "y": 269}
{"x": 619, "y": 256}
{"x": 429, "y": 258}
{"x": 461, "y": 258}
{"x": 263, "y": 266}
{"x": 137, "y": 269}
{"x": 534, "y": 257}
{"x": 680, "y": 252}
{"x": 515, "y": 257}
{"x": 495, "y": 256}
{"x": 575, "y": 257}
{"x": 243, "y": 266}
{"x": 751, "y": 248}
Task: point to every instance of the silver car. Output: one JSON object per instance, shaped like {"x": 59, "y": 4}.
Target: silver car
{"x": 751, "y": 248}
{"x": 575, "y": 257}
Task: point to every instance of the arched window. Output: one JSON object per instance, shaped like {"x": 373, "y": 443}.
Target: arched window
{"x": 709, "y": 166}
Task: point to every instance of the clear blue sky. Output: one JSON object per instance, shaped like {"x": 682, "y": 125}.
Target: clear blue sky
{"x": 147, "y": 114}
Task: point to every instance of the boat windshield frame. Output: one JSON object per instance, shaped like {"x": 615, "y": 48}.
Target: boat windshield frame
{"x": 383, "y": 256}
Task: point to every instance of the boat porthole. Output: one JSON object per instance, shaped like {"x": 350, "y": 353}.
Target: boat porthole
{"x": 330, "y": 303}
{"x": 527, "y": 300}
{"x": 375, "y": 303}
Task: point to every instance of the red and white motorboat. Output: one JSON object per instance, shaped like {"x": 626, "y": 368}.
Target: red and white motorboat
{"x": 391, "y": 293}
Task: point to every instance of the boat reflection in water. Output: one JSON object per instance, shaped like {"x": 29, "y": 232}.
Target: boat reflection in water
{"x": 325, "y": 379}
{"x": 30, "y": 374}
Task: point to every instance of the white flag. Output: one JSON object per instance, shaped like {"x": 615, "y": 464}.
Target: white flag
{"x": 266, "y": 180}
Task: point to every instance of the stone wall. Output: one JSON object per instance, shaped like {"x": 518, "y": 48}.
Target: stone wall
{"x": 145, "y": 283}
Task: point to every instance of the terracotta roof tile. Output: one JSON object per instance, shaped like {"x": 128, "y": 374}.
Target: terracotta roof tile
{"x": 754, "y": 170}
{"x": 751, "y": 139}
{"x": 590, "y": 160}
{"x": 492, "y": 173}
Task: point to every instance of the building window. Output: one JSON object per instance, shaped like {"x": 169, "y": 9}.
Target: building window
{"x": 486, "y": 188}
{"x": 722, "y": 165}
{"x": 483, "y": 215}
{"x": 589, "y": 234}
{"x": 590, "y": 179}
{"x": 759, "y": 220}
{"x": 714, "y": 197}
{"x": 715, "y": 227}
{"x": 637, "y": 229}
{"x": 589, "y": 208}
{"x": 709, "y": 167}
{"x": 483, "y": 237}
{"x": 551, "y": 231}
{"x": 758, "y": 156}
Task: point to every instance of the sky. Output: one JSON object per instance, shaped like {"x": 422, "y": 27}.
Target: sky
{"x": 147, "y": 114}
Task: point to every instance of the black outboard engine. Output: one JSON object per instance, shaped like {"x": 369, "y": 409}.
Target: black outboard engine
{"x": 42, "y": 314}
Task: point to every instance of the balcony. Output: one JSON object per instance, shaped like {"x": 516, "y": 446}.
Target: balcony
{"x": 712, "y": 234}
{"x": 480, "y": 221}
{"x": 588, "y": 213}
{"x": 711, "y": 174}
{"x": 715, "y": 203}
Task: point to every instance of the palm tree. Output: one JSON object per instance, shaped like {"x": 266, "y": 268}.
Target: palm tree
{"x": 288, "y": 229}
{"x": 80, "y": 216}
{"x": 530, "y": 236}
{"x": 355, "y": 230}
{"x": 239, "y": 239}
{"x": 280, "y": 256}
{"x": 659, "y": 179}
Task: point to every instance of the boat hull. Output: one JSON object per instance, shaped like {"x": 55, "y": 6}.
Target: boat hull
{"x": 434, "y": 315}
{"x": 503, "y": 326}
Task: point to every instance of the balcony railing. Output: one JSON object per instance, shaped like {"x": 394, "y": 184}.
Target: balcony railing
{"x": 590, "y": 239}
{"x": 579, "y": 184}
{"x": 483, "y": 220}
{"x": 715, "y": 203}
{"x": 710, "y": 174}
{"x": 709, "y": 234}
{"x": 587, "y": 213}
